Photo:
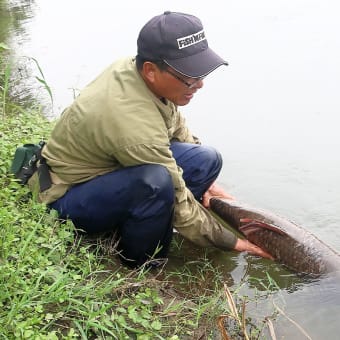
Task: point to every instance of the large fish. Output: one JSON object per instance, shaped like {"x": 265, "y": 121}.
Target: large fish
{"x": 287, "y": 242}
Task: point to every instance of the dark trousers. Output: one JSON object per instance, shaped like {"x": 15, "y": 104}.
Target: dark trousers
{"x": 138, "y": 201}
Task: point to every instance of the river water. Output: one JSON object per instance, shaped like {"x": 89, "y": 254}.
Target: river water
{"x": 273, "y": 113}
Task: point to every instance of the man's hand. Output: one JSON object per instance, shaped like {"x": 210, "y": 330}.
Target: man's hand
{"x": 245, "y": 245}
{"x": 214, "y": 191}
{"x": 241, "y": 245}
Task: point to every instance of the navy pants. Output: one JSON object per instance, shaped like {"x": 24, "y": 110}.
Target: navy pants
{"x": 138, "y": 201}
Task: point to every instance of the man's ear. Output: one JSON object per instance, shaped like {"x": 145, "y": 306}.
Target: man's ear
{"x": 149, "y": 71}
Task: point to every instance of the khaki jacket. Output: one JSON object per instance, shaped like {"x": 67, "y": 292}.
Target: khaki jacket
{"x": 116, "y": 122}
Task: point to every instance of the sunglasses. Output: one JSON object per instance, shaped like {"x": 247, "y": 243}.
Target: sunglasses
{"x": 189, "y": 85}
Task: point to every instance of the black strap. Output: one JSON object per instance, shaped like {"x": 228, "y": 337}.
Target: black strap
{"x": 45, "y": 181}
{"x": 44, "y": 176}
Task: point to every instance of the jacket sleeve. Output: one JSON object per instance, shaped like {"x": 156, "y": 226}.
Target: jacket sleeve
{"x": 191, "y": 219}
{"x": 182, "y": 132}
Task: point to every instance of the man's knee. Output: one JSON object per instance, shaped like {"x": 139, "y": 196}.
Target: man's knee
{"x": 205, "y": 162}
{"x": 158, "y": 182}
{"x": 193, "y": 158}
{"x": 212, "y": 156}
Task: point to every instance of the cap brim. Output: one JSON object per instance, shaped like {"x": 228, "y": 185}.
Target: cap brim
{"x": 197, "y": 65}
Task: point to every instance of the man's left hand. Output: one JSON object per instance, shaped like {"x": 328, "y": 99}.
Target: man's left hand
{"x": 214, "y": 191}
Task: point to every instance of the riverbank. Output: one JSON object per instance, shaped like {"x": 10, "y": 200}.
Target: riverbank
{"x": 254, "y": 112}
{"x": 58, "y": 284}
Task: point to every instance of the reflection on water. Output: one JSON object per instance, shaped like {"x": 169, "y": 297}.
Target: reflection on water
{"x": 15, "y": 20}
{"x": 299, "y": 306}
{"x": 295, "y": 304}
{"x": 273, "y": 114}
{"x": 312, "y": 307}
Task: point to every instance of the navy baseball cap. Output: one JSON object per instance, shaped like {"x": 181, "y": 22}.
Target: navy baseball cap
{"x": 179, "y": 40}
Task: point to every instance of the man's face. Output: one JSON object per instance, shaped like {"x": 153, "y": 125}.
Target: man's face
{"x": 175, "y": 87}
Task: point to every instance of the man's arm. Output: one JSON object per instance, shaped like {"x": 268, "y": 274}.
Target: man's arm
{"x": 241, "y": 244}
{"x": 181, "y": 131}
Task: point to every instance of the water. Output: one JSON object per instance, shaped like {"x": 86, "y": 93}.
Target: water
{"x": 273, "y": 113}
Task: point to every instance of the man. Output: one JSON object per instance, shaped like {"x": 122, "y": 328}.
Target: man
{"x": 122, "y": 158}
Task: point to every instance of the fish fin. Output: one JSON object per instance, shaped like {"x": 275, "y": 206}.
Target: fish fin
{"x": 248, "y": 226}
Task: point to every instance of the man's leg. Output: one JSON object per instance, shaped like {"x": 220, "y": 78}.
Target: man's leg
{"x": 201, "y": 165}
{"x": 137, "y": 201}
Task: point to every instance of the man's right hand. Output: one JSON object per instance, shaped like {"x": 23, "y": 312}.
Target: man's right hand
{"x": 251, "y": 248}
